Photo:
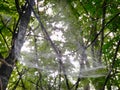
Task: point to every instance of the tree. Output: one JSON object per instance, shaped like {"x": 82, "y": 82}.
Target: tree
{"x": 67, "y": 44}
{"x": 18, "y": 35}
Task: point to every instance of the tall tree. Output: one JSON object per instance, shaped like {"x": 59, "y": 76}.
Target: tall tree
{"x": 18, "y": 35}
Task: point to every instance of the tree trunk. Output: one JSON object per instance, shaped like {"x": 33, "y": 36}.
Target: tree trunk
{"x": 17, "y": 42}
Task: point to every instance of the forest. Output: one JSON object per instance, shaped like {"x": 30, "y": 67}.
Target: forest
{"x": 60, "y": 45}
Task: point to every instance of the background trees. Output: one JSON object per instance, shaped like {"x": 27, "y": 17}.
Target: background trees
{"x": 68, "y": 44}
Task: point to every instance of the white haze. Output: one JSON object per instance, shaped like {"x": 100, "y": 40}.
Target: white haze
{"x": 70, "y": 59}
{"x": 71, "y": 62}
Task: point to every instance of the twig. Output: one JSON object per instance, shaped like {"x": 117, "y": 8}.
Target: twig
{"x": 5, "y": 40}
{"x": 5, "y": 24}
{"x": 104, "y": 7}
{"x": 4, "y": 62}
{"x": 111, "y": 68}
{"x": 102, "y": 29}
{"x": 20, "y": 78}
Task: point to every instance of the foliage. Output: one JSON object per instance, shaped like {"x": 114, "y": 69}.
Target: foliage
{"x": 59, "y": 33}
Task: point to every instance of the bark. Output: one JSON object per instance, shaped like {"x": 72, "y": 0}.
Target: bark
{"x": 17, "y": 42}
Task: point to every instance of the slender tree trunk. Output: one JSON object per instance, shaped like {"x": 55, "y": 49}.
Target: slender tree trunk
{"x": 17, "y": 42}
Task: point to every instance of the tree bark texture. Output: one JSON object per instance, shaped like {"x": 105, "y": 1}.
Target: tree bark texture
{"x": 17, "y": 42}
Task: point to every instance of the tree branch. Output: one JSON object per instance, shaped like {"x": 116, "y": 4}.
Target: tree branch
{"x": 112, "y": 66}
{"x": 4, "y": 62}
{"x": 18, "y": 7}
{"x": 102, "y": 29}
{"x": 5, "y": 24}
{"x": 5, "y": 41}
{"x": 57, "y": 51}
{"x": 104, "y": 7}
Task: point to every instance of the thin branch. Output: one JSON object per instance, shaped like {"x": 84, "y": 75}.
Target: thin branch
{"x": 103, "y": 29}
{"x": 57, "y": 51}
{"x": 4, "y": 62}
{"x": 16, "y": 84}
{"x": 92, "y": 18}
{"x": 20, "y": 78}
{"x": 77, "y": 83}
{"x": 18, "y": 6}
{"x": 112, "y": 66}
{"x": 86, "y": 10}
{"x": 5, "y": 23}
{"x": 40, "y": 80}
{"x": 31, "y": 81}
{"x": 36, "y": 58}
{"x": 5, "y": 41}
{"x": 16, "y": 26}
{"x": 104, "y": 7}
